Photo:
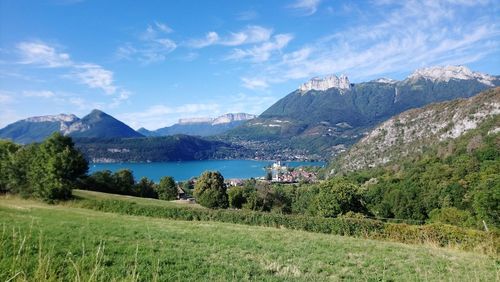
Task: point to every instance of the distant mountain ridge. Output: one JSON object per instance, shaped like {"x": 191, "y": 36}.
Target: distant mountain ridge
{"x": 204, "y": 126}
{"x": 96, "y": 124}
{"x": 309, "y": 117}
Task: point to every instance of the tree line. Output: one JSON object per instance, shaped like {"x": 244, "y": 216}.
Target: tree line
{"x": 52, "y": 169}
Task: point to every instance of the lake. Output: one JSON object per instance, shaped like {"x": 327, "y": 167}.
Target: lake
{"x": 187, "y": 169}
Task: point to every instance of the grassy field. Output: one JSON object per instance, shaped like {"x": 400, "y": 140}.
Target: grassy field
{"x": 92, "y": 195}
{"x": 46, "y": 242}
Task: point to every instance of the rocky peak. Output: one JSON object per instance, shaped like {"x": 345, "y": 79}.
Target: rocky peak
{"x": 322, "y": 84}
{"x": 227, "y": 118}
{"x": 54, "y": 118}
{"x": 446, "y": 73}
{"x": 385, "y": 80}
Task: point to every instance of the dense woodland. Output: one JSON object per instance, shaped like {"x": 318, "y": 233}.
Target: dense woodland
{"x": 156, "y": 149}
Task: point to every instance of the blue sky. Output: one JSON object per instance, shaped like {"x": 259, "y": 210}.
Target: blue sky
{"x": 150, "y": 63}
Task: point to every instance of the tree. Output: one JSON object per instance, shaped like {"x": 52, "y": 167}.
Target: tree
{"x": 7, "y": 154}
{"x": 239, "y": 196}
{"x": 338, "y": 196}
{"x": 146, "y": 188}
{"x": 56, "y": 167}
{"x": 167, "y": 189}
{"x": 487, "y": 200}
{"x": 210, "y": 190}
{"x": 124, "y": 182}
{"x": 102, "y": 181}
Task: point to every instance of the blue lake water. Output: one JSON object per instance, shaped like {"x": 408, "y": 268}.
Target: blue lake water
{"x": 187, "y": 169}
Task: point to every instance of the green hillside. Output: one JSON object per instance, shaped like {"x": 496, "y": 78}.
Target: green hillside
{"x": 318, "y": 121}
{"x": 155, "y": 149}
{"x": 60, "y": 242}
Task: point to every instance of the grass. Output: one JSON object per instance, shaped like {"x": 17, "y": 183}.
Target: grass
{"x": 92, "y": 195}
{"x": 40, "y": 242}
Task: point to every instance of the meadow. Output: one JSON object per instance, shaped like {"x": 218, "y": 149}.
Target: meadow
{"x": 41, "y": 242}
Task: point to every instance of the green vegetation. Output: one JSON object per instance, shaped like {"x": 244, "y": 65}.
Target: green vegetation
{"x": 210, "y": 190}
{"x": 435, "y": 234}
{"x": 454, "y": 182}
{"x": 338, "y": 197}
{"x": 61, "y": 242}
{"x": 156, "y": 149}
{"x": 167, "y": 189}
{"x": 310, "y": 120}
{"x": 48, "y": 171}
{"x": 121, "y": 182}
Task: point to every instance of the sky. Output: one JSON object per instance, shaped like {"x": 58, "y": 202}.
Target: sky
{"x": 149, "y": 63}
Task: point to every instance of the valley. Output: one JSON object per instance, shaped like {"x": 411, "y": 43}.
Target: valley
{"x": 252, "y": 140}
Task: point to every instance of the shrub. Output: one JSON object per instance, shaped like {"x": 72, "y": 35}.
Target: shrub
{"x": 451, "y": 216}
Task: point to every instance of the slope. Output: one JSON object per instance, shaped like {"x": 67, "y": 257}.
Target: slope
{"x": 63, "y": 242}
{"x": 98, "y": 124}
{"x": 155, "y": 149}
{"x": 327, "y": 120}
{"x": 412, "y": 131}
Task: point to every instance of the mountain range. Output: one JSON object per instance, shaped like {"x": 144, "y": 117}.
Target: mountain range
{"x": 327, "y": 115}
{"x": 96, "y": 124}
{"x": 319, "y": 120}
{"x": 201, "y": 126}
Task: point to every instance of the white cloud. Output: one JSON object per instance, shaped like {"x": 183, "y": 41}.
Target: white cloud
{"x": 210, "y": 39}
{"x": 308, "y": 7}
{"x": 249, "y": 35}
{"x": 152, "y": 48}
{"x": 412, "y": 35}
{"x": 123, "y": 96}
{"x": 247, "y": 15}
{"x": 43, "y": 55}
{"x": 163, "y": 27}
{"x": 158, "y": 116}
{"x": 264, "y": 51}
{"x": 95, "y": 76}
{"x": 255, "y": 83}
{"x": 41, "y": 94}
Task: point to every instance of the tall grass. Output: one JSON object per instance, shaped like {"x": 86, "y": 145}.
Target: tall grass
{"x": 19, "y": 248}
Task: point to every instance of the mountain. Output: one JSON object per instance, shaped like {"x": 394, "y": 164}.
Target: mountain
{"x": 326, "y": 115}
{"x": 201, "y": 126}
{"x": 95, "y": 124}
{"x": 411, "y": 132}
{"x": 156, "y": 149}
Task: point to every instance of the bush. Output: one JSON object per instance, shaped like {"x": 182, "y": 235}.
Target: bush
{"x": 451, "y": 216}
